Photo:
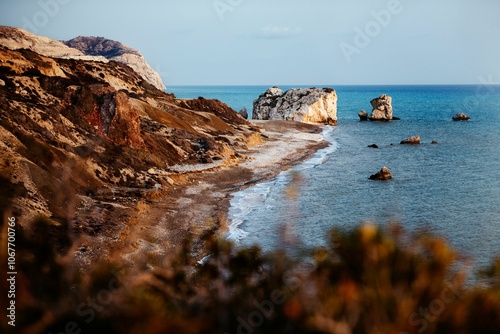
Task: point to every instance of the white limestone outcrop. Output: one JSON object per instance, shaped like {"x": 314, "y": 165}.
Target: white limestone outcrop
{"x": 308, "y": 105}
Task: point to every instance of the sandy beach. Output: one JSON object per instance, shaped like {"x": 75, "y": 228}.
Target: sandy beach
{"x": 196, "y": 206}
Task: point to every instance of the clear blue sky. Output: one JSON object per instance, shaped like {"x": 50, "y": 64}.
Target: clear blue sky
{"x": 214, "y": 42}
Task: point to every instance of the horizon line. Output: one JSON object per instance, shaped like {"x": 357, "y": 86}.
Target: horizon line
{"x": 314, "y": 85}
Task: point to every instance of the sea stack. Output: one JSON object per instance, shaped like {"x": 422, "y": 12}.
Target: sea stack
{"x": 308, "y": 105}
{"x": 382, "y": 108}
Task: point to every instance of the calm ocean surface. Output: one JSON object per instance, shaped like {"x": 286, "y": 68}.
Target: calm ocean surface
{"x": 452, "y": 188}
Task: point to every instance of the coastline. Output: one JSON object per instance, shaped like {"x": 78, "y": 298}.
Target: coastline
{"x": 197, "y": 205}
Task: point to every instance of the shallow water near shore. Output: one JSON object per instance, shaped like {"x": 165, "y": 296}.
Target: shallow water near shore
{"x": 451, "y": 188}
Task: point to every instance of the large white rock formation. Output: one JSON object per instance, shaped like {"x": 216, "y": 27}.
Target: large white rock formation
{"x": 309, "y": 105}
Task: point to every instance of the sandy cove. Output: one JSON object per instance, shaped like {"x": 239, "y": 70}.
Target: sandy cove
{"x": 198, "y": 203}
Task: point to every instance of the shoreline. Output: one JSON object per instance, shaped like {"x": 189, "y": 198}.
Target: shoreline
{"x": 197, "y": 205}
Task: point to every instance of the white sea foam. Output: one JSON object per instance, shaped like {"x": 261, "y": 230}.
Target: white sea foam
{"x": 246, "y": 201}
{"x": 321, "y": 156}
{"x": 242, "y": 205}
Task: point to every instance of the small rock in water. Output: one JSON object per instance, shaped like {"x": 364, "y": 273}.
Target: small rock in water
{"x": 373, "y": 146}
{"x": 363, "y": 115}
{"x": 461, "y": 117}
{"x": 413, "y": 140}
{"x": 382, "y": 175}
{"x": 434, "y": 142}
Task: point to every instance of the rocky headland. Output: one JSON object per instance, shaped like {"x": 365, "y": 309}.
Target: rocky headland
{"x": 308, "y": 105}
{"x": 117, "y": 51}
{"x": 97, "y": 49}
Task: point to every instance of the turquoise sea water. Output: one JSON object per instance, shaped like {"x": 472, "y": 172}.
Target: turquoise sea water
{"x": 452, "y": 188}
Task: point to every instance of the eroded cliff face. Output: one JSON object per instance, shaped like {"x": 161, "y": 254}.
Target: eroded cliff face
{"x": 76, "y": 131}
{"x": 309, "y": 105}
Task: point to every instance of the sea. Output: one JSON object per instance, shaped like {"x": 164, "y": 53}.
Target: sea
{"x": 451, "y": 188}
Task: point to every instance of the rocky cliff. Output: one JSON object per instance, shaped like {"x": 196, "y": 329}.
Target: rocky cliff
{"x": 74, "y": 133}
{"x": 113, "y": 50}
{"x": 81, "y": 48}
{"x": 309, "y": 105}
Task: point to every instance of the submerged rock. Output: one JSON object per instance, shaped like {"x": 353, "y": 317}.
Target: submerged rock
{"x": 363, "y": 115}
{"x": 309, "y": 105}
{"x": 461, "y": 117}
{"x": 382, "y": 108}
{"x": 382, "y": 175}
{"x": 413, "y": 140}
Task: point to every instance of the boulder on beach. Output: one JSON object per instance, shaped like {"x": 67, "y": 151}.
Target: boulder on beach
{"x": 243, "y": 112}
{"x": 461, "y": 117}
{"x": 382, "y": 175}
{"x": 308, "y": 105}
{"x": 382, "y": 108}
{"x": 363, "y": 115}
{"x": 413, "y": 140}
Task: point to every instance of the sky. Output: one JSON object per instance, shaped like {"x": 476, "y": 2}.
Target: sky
{"x": 286, "y": 42}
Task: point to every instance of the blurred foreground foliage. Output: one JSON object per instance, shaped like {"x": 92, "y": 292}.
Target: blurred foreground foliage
{"x": 367, "y": 280}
